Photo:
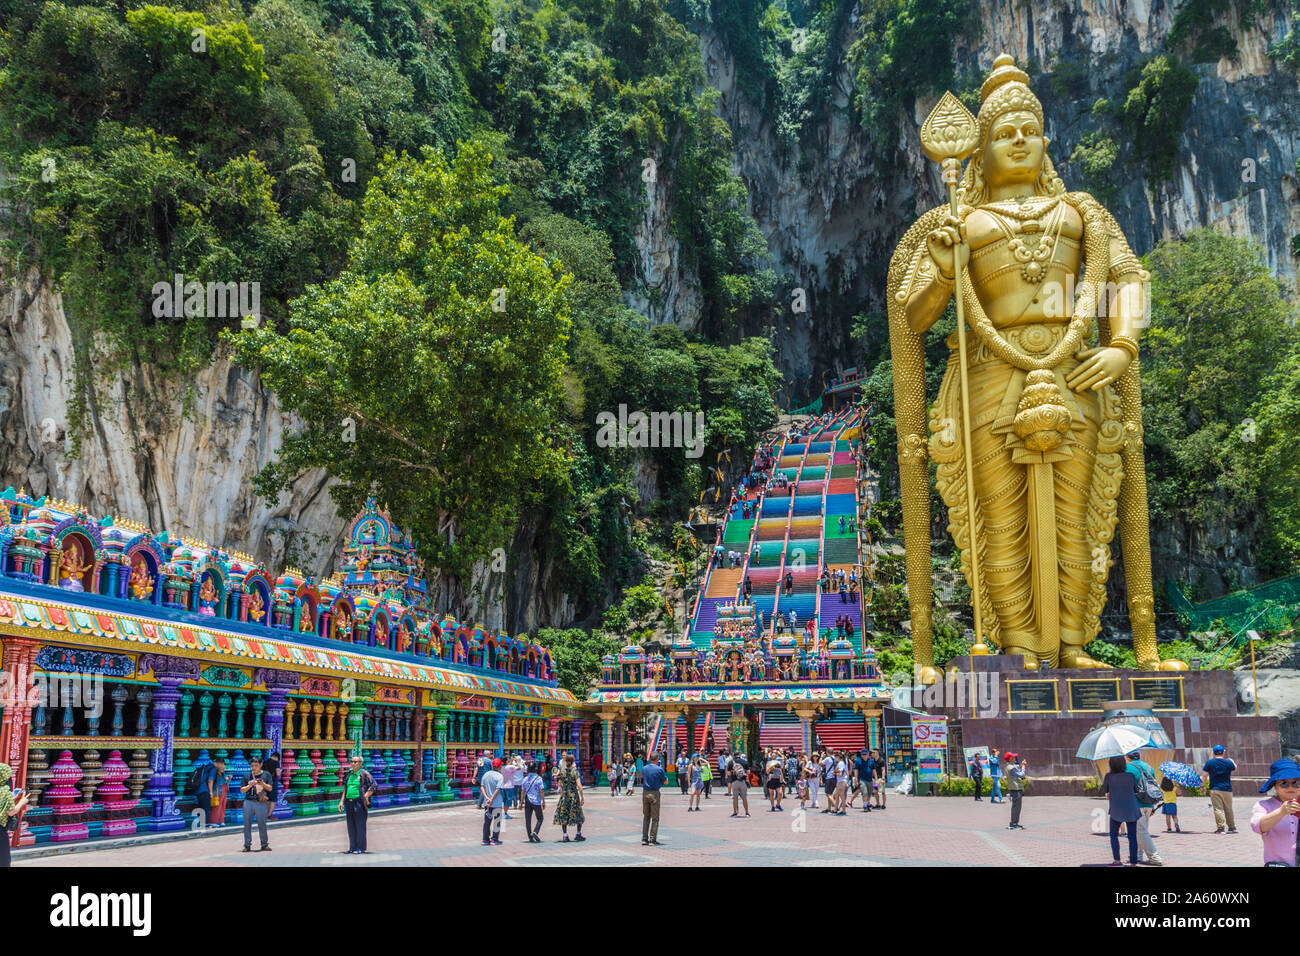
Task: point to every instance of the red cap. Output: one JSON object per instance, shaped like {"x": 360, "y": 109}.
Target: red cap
{"x": 496, "y": 762}
{"x": 1011, "y": 755}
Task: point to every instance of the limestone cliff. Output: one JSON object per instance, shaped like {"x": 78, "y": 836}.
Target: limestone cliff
{"x": 831, "y": 218}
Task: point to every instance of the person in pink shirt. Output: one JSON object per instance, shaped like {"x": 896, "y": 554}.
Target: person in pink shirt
{"x": 1277, "y": 818}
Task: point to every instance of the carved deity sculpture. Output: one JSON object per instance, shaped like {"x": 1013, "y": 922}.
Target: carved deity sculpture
{"x": 71, "y": 569}
{"x": 343, "y": 625}
{"x": 256, "y": 609}
{"x": 141, "y": 582}
{"x": 1037, "y": 432}
{"x": 207, "y": 597}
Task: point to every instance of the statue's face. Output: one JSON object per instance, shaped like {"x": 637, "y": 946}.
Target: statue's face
{"x": 1014, "y": 150}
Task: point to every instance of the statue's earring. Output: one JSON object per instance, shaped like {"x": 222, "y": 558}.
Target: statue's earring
{"x": 1047, "y": 141}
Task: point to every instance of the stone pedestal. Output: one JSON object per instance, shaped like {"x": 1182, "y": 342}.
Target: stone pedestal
{"x": 1049, "y": 741}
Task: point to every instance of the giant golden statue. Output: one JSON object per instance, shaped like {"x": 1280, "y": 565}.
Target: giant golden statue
{"x": 1037, "y": 436}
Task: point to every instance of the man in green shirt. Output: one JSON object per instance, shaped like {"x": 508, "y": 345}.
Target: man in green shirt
{"x": 357, "y": 790}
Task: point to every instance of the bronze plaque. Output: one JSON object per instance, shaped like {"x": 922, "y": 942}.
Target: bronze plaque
{"x": 1032, "y": 697}
{"x": 1165, "y": 693}
{"x": 1089, "y": 695}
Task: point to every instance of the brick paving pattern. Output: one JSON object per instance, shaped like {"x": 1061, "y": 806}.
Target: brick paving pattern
{"x": 913, "y": 831}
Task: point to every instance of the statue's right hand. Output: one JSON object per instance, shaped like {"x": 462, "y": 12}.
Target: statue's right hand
{"x": 942, "y": 241}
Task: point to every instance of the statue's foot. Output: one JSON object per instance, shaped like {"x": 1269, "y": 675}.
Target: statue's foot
{"x": 1075, "y": 657}
{"x": 1031, "y": 659}
{"x": 1172, "y": 665}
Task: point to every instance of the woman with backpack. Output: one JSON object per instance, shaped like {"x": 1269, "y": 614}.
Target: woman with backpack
{"x": 1120, "y": 788}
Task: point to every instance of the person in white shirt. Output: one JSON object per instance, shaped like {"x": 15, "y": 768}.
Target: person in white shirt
{"x": 841, "y": 784}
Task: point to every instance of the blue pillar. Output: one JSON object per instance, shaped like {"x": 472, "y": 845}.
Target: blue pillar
{"x": 499, "y": 725}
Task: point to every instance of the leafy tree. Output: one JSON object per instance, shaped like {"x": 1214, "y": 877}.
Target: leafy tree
{"x": 443, "y": 344}
{"x": 576, "y": 656}
{"x": 1218, "y": 383}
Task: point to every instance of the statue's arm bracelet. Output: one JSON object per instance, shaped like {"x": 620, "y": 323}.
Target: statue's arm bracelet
{"x": 1126, "y": 343}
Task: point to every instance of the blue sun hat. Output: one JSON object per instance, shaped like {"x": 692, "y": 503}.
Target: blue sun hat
{"x": 1281, "y": 770}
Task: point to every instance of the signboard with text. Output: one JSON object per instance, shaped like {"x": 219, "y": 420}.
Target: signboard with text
{"x": 929, "y": 733}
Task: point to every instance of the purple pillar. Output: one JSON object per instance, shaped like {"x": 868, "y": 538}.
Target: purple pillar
{"x": 171, "y": 673}
{"x": 278, "y": 685}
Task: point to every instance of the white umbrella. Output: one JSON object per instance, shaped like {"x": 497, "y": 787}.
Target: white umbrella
{"x": 1114, "y": 740}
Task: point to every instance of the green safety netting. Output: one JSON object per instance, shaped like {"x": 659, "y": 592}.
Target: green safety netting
{"x": 1271, "y": 605}
{"x": 814, "y": 409}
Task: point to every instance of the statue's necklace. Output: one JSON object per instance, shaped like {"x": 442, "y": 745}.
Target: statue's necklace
{"x": 1031, "y": 241}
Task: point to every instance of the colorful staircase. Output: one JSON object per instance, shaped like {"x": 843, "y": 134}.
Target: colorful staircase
{"x": 796, "y": 530}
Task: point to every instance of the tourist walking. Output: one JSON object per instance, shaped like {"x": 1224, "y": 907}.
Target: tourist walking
{"x": 995, "y": 776}
{"x": 220, "y": 790}
{"x": 841, "y": 784}
{"x": 492, "y": 790}
{"x": 697, "y": 783}
{"x": 11, "y": 809}
{"x": 879, "y": 769}
{"x": 1277, "y": 818}
{"x": 206, "y": 791}
{"x": 775, "y": 782}
{"x": 1146, "y": 804}
{"x": 256, "y": 787}
{"x": 1217, "y": 773}
{"x": 355, "y": 801}
{"x": 1017, "y": 772}
{"x": 507, "y": 772}
{"x": 653, "y": 777}
{"x": 615, "y": 778}
{"x": 791, "y": 771}
{"x": 683, "y": 767}
{"x": 738, "y": 787}
{"x": 812, "y": 777}
{"x": 977, "y": 776}
{"x": 1120, "y": 789}
{"x": 568, "y": 811}
{"x": 533, "y": 797}
{"x": 864, "y": 779}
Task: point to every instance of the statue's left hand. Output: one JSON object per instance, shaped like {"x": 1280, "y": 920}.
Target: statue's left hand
{"x": 1099, "y": 368}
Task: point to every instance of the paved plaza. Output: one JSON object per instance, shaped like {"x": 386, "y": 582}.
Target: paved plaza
{"x": 913, "y": 831}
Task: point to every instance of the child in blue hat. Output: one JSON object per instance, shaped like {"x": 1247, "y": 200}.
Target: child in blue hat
{"x": 1277, "y": 818}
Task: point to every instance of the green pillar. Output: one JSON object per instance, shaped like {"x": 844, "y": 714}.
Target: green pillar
{"x": 356, "y": 718}
{"x": 440, "y": 776}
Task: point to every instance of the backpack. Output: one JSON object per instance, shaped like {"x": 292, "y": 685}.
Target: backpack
{"x": 196, "y": 777}
{"x": 1148, "y": 792}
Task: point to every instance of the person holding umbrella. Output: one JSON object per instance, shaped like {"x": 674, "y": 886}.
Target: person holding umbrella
{"x": 1177, "y": 778}
{"x": 1120, "y": 789}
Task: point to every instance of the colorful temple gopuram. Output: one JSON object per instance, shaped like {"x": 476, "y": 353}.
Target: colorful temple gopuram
{"x": 130, "y": 657}
{"x": 774, "y": 655}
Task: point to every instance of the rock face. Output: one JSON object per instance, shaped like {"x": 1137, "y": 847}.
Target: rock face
{"x": 1279, "y": 696}
{"x": 831, "y": 218}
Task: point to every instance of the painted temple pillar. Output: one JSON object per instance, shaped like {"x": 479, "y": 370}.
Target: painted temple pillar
{"x": 499, "y": 725}
{"x": 577, "y": 733}
{"x": 161, "y": 792}
{"x": 553, "y": 738}
{"x": 15, "y": 729}
{"x": 418, "y": 785}
{"x": 738, "y": 729}
{"x": 278, "y": 685}
{"x": 356, "y": 723}
{"x": 441, "y": 769}
{"x": 608, "y": 721}
{"x": 806, "y": 715}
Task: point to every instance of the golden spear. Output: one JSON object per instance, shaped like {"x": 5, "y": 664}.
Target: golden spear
{"x": 949, "y": 135}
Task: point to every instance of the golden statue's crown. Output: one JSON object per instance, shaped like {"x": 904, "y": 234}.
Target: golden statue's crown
{"x": 1005, "y": 90}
